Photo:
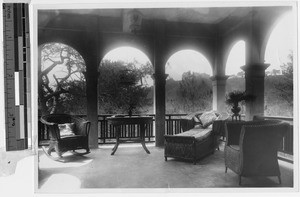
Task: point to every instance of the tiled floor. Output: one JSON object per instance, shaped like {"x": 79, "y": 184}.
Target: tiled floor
{"x": 132, "y": 167}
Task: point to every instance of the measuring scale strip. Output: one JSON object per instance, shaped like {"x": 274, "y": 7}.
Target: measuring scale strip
{"x": 16, "y": 61}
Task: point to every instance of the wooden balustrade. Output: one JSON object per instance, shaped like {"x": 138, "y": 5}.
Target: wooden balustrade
{"x": 106, "y": 132}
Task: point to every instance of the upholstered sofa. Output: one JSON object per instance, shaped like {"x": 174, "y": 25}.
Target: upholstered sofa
{"x": 198, "y": 139}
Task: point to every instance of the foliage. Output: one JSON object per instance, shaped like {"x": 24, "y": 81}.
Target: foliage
{"x": 279, "y": 91}
{"x": 235, "y": 97}
{"x": 235, "y": 83}
{"x": 285, "y": 86}
{"x": 61, "y": 80}
{"x": 122, "y": 88}
{"x": 194, "y": 91}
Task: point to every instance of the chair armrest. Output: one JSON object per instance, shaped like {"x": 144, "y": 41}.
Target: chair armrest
{"x": 232, "y": 133}
{"x": 46, "y": 122}
{"x": 88, "y": 126}
{"x": 83, "y": 128}
{"x": 53, "y": 129}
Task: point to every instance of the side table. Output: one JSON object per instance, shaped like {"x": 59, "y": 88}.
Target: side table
{"x": 142, "y": 121}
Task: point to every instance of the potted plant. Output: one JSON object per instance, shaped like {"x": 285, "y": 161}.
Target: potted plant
{"x": 234, "y": 98}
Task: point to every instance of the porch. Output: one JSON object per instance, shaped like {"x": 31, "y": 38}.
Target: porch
{"x": 132, "y": 168}
{"x": 159, "y": 39}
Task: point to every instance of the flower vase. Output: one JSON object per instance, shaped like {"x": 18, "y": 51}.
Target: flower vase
{"x": 236, "y": 112}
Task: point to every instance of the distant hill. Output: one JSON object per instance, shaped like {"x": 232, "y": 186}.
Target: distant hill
{"x": 275, "y": 105}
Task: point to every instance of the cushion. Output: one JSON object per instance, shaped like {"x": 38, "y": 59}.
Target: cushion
{"x": 207, "y": 118}
{"x": 197, "y": 120}
{"x": 66, "y": 129}
{"x": 223, "y": 116}
{"x": 199, "y": 133}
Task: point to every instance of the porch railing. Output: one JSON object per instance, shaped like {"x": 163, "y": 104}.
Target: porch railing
{"x": 106, "y": 132}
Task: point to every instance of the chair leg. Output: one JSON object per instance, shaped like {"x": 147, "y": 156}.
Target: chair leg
{"x": 58, "y": 152}
{"x": 279, "y": 180}
{"x": 240, "y": 180}
{"x": 50, "y": 148}
{"x": 166, "y": 158}
{"x": 87, "y": 150}
{"x": 225, "y": 169}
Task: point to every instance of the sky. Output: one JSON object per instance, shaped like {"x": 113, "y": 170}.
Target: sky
{"x": 279, "y": 45}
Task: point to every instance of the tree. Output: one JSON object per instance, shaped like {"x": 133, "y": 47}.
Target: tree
{"x": 285, "y": 85}
{"x": 275, "y": 72}
{"x": 122, "y": 87}
{"x": 195, "y": 91}
{"x": 268, "y": 73}
{"x": 61, "y": 80}
{"x": 241, "y": 74}
{"x": 279, "y": 91}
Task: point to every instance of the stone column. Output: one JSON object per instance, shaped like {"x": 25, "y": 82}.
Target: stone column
{"x": 92, "y": 100}
{"x": 219, "y": 91}
{"x": 159, "y": 83}
{"x": 255, "y": 85}
{"x": 92, "y": 60}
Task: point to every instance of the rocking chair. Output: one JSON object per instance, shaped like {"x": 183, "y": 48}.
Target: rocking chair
{"x": 66, "y": 132}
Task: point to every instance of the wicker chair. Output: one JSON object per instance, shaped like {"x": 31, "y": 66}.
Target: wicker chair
{"x": 251, "y": 147}
{"x": 62, "y": 143}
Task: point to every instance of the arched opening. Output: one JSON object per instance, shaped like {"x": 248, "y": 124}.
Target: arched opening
{"x": 235, "y": 60}
{"x": 236, "y": 79}
{"x": 188, "y": 86}
{"x": 61, "y": 77}
{"x": 279, "y": 75}
{"x": 125, "y": 83}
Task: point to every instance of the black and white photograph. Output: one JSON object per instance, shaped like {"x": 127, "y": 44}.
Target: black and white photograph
{"x": 149, "y": 96}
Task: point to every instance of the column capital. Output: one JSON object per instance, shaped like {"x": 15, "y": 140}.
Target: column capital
{"x": 153, "y": 76}
{"x": 256, "y": 69}
{"x": 219, "y": 80}
{"x": 219, "y": 77}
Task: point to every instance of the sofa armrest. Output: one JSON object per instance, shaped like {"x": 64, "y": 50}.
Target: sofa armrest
{"x": 179, "y": 139}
